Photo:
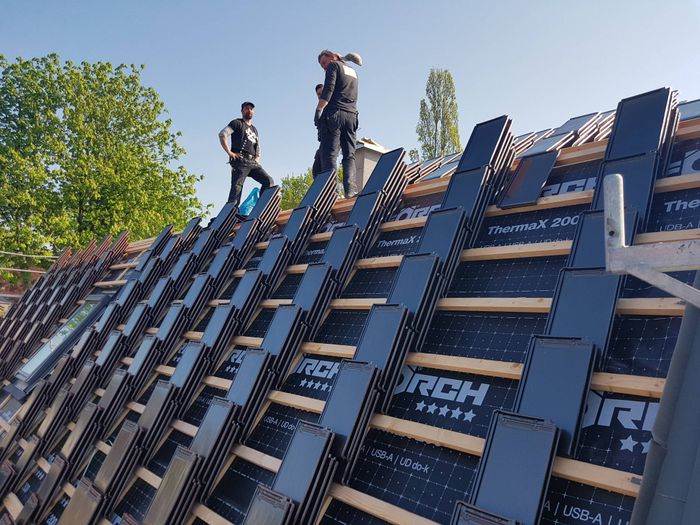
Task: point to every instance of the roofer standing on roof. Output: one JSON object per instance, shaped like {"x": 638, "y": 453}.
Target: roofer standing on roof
{"x": 244, "y": 153}
{"x": 336, "y": 115}
{"x": 316, "y": 167}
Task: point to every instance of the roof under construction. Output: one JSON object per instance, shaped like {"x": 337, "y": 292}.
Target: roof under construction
{"x": 446, "y": 347}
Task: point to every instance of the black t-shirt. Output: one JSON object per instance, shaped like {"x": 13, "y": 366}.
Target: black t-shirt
{"x": 340, "y": 87}
{"x": 244, "y": 138}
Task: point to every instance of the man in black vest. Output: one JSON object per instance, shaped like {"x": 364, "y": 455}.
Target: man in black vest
{"x": 336, "y": 115}
{"x": 244, "y": 153}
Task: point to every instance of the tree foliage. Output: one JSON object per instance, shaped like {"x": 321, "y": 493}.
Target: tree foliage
{"x": 294, "y": 187}
{"x": 438, "y": 122}
{"x": 85, "y": 150}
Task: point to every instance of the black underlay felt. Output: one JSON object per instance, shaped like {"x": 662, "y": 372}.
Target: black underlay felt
{"x": 259, "y": 326}
{"x": 136, "y": 502}
{"x": 338, "y": 513}
{"x": 198, "y": 409}
{"x": 94, "y": 465}
{"x": 55, "y": 515}
{"x": 414, "y": 207}
{"x": 634, "y": 287}
{"x": 372, "y": 282}
{"x": 228, "y": 291}
{"x": 497, "y": 336}
{"x": 254, "y": 260}
{"x": 313, "y": 377}
{"x": 276, "y": 428}
{"x": 288, "y": 287}
{"x": 342, "y": 327}
{"x": 685, "y": 159}
{"x": 451, "y": 400}
{"x": 616, "y": 430}
{"x": 416, "y": 476}
{"x": 571, "y": 503}
{"x": 528, "y": 277}
{"x": 675, "y": 210}
{"x": 232, "y": 496}
{"x": 397, "y": 242}
{"x": 313, "y": 253}
{"x": 161, "y": 459}
{"x": 554, "y": 224}
{"x": 642, "y": 345}
{"x": 571, "y": 178}
{"x": 229, "y": 368}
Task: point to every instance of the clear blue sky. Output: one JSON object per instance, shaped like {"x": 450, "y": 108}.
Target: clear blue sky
{"x": 539, "y": 62}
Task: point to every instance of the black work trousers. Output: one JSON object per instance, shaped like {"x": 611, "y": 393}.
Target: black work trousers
{"x": 242, "y": 168}
{"x": 337, "y": 130}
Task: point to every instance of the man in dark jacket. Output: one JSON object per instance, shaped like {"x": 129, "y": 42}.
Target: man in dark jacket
{"x": 316, "y": 168}
{"x": 243, "y": 152}
{"x": 336, "y": 115}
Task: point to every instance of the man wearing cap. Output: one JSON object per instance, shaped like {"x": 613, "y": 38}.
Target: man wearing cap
{"x": 244, "y": 153}
{"x": 336, "y": 115}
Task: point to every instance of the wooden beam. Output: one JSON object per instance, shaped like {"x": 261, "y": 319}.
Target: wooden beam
{"x": 209, "y": 516}
{"x": 583, "y": 153}
{"x": 253, "y": 342}
{"x": 670, "y": 306}
{"x": 184, "y": 427}
{"x": 429, "y": 434}
{"x": 469, "y": 365}
{"x": 297, "y": 268}
{"x": 110, "y": 284}
{"x": 495, "y": 304}
{"x": 274, "y": 303}
{"x": 517, "y": 251}
{"x": 625, "y": 384}
{"x": 321, "y": 237}
{"x": 256, "y": 457}
{"x": 389, "y": 261}
{"x": 680, "y": 182}
{"x": 403, "y": 224}
{"x": 295, "y": 401}
{"x": 594, "y": 475}
{"x": 149, "y": 477}
{"x": 545, "y": 203}
{"x": 217, "y": 382}
{"x": 675, "y": 235}
{"x": 12, "y": 505}
{"x": 376, "y": 507}
{"x": 356, "y": 304}
{"x": 342, "y": 351}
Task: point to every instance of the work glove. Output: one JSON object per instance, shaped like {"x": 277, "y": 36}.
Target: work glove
{"x": 317, "y": 116}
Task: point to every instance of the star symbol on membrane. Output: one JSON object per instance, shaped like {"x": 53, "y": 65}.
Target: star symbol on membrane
{"x": 303, "y": 382}
{"x": 444, "y": 410}
{"x": 456, "y": 413}
{"x": 468, "y": 416}
{"x": 431, "y": 408}
{"x": 325, "y": 386}
{"x": 420, "y": 406}
{"x": 318, "y": 384}
{"x": 627, "y": 444}
{"x": 645, "y": 446}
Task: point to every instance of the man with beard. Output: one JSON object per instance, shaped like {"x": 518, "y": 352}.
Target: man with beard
{"x": 243, "y": 152}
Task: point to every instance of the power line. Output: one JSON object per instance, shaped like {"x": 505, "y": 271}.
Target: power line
{"x": 29, "y": 256}
{"x": 19, "y": 270}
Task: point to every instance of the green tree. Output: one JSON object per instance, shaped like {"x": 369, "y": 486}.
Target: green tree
{"x": 294, "y": 187}
{"x": 438, "y": 122}
{"x": 85, "y": 150}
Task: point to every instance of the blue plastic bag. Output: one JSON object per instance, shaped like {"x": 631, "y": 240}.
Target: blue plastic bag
{"x": 250, "y": 201}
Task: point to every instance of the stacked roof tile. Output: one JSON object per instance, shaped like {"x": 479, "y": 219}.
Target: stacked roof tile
{"x": 444, "y": 348}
